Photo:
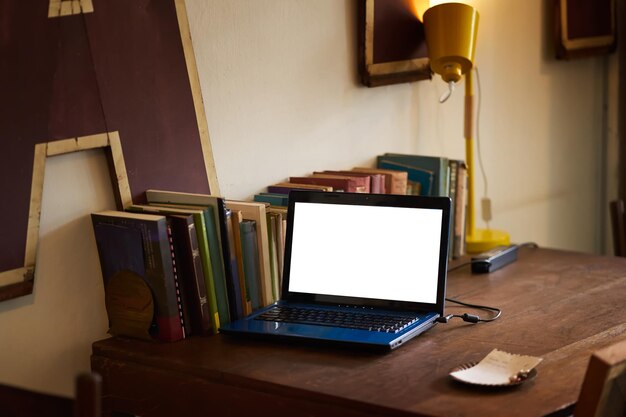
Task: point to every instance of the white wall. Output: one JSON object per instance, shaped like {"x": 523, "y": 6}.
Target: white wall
{"x": 282, "y": 98}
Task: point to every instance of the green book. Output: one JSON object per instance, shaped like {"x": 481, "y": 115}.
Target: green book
{"x": 280, "y": 200}
{"x": 438, "y": 165}
{"x": 419, "y": 181}
{"x": 219, "y": 246}
{"x": 215, "y": 248}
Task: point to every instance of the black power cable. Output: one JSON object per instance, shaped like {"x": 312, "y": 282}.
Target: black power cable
{"x": 470, "y": 318}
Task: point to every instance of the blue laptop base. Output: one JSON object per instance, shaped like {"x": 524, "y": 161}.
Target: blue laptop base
{"x": 250, "y": 326}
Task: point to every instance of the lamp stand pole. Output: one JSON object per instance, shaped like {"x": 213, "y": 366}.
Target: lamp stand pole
{"x": 476, "y": 240}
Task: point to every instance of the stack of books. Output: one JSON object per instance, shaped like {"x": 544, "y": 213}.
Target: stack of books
{"x": 205, "y": 260}
{"x": 184, "y": 263}
{"x": 394, "y": 174}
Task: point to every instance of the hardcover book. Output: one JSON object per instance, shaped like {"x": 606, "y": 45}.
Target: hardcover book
{"x": 435, "y": 164}
{"x": 251, "y": 266}
{"x": 190, "y": 271}
{"x": 346, "y": 185}
{"x": 183, "y": 305}
{"x": 460, "y": 211}
{"x": 273, "y": 242}
{"x": 376, "y": 181}
{"x": 216, "y": 307}
{"x": 274, "y": 199}
{"x": 257, "y": 212}
{"x": 395, "y": 181}
{"x": 419, "y": 181}
{"x": 286, "y": 187}
{"x": 361, "y": 183}
{"x": 137, "y": 245}
{"x": 237, "y": 219}
{"x": 214, "y": 210}
{"x": 233, "y": 285}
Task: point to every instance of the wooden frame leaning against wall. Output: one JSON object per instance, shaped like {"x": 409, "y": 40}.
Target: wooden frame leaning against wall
{"x": 75, "y": 97}
{"x": 17, "y": 282}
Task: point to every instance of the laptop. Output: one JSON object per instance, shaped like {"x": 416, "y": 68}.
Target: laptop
{"x": 367, "y": 270}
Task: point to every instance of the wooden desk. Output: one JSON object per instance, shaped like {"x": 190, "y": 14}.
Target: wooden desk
{"x": 557, "y": 305}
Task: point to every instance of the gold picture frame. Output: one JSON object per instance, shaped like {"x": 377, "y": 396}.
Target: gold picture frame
{"x": 584, "y": 28}
{"x": 392, "y": 45}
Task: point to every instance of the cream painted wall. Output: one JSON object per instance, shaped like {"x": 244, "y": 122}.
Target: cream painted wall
{"x": 46, "y": 337}
{"x": 282, "y": 98}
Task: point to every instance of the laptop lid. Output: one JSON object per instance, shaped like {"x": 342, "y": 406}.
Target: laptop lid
{"x": 372, "y": 250}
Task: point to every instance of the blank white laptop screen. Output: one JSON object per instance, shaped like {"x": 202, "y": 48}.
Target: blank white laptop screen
{"x": 389, "y": 253}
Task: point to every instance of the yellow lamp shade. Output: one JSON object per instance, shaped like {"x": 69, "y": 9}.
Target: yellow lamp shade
{"x": 451, "y": 30}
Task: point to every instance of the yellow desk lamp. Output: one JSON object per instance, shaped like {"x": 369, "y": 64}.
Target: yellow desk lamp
{"x": 450, "y": 30}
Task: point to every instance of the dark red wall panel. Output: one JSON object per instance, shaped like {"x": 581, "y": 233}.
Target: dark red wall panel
{"x": 119, "y": 68}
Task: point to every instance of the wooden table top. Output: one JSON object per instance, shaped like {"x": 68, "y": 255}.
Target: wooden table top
{"x": 557, "y": 305}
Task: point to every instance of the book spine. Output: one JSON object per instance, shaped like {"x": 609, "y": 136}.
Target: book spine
{"x": 454, "y": 166}
{"x": 193, "y": 279}
{"x": 271, "y": 223}
{"x": 251, "y": 262}
{"x": 182, "y": 309}
{"x": 418, "y": 179}
{"x": 232, "y": 282}
{"x": 275, "y": 200}
{"x": 237, "y": 218}
{"x": 280, "y": 249}
{"x": 460, "y": 211}
{"x": 214, "y": 245}
{"x": 375, "y": 181}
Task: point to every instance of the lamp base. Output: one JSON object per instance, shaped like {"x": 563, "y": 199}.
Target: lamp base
{"x": 484, "y": 239}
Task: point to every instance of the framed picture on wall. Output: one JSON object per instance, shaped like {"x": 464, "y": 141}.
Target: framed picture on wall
{"x": 391, "y": 42}
{"x": 584, "y": 27}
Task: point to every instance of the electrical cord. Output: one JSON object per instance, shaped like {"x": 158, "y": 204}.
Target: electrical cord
{"x": 470, "y": 318}
{"x": 473, "y": 318}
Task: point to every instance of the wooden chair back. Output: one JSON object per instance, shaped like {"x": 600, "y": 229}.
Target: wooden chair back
{"x": 603, "y": 393}
{"x": 618, "y": 227}
{"x": 19, "y": 402}
{"x": 88, "y": 402}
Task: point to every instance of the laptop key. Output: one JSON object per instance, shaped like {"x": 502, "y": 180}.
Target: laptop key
{"x": 359, "y": 321}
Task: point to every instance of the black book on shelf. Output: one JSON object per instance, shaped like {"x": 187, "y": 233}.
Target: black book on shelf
{"x": 192, "y": 280}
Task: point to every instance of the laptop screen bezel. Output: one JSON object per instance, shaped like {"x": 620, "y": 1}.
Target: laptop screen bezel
{"x": 391, "y": 200}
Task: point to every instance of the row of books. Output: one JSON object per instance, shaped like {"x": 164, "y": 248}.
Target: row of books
{"x": 204, "y": 260}
{"x": 394, "y": 174}
{"x": 185, "y": 263}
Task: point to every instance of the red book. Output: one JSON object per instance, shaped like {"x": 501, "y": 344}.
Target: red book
{"x": 339, "y": 184}
{"x": 376, "y": 181}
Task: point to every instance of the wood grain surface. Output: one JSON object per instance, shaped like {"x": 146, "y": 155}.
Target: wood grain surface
{"x": 558, "y": 305}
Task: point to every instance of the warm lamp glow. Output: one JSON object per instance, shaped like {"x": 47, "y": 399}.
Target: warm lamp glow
{"x": 418, "y": 7}
{"x": 451, "y": 30}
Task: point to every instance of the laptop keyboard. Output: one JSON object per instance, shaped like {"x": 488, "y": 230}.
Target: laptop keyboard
{"x": 334, "y": 318}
